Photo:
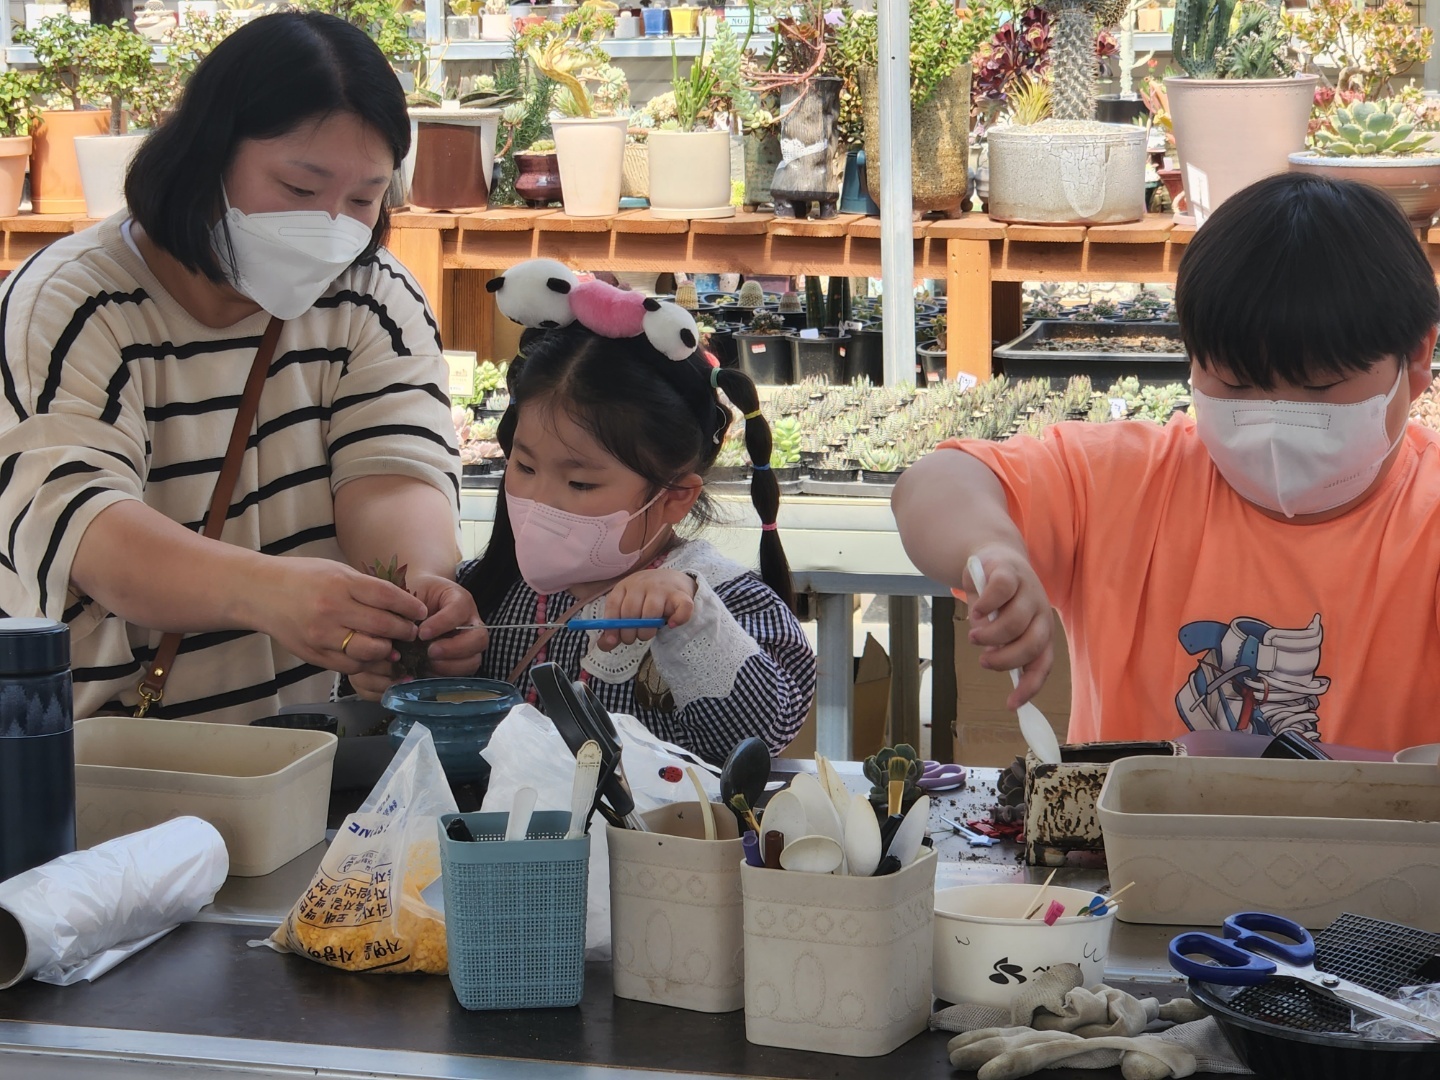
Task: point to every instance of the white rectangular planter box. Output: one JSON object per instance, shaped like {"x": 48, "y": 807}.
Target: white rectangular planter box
{"x": 838, "y": 965}
{"x": 35, "y": 14}
{"x": 675, "y": 911}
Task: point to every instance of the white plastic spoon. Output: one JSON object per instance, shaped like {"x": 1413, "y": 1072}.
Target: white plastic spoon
{"x": 831, "y": 782}
{"x": 905, "y": 845}
{"x": 785, "y": 814}
{"x": 521, "y": 807}
{"x": 819, "y": 810}
{"x": 862, "y": 837}
{"x": 812, "y": 855}
{"x": 1039, "y": 735}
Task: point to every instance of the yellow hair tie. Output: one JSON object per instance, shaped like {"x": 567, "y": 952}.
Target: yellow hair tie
{"x": 753, "y": 415}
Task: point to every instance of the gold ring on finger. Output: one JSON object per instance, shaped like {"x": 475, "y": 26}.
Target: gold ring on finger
{"x": 346, "y": 642}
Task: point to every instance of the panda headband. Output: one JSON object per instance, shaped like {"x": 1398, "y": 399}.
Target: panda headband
{"x": 544, "y": 295}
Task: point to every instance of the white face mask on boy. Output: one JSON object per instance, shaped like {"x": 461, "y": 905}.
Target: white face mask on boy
{"x": 1297, "y": 457}
{"x": 285, "y": 260}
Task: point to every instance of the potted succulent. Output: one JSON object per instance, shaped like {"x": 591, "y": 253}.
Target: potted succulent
{"x": 835, "y": 468}
{"x": 495, "y": 21}
{"x": 58, "y": 45}
{"x": 931, "y": 356}
{"x": 18, "y": 116}
{"x": 1053, "y": 164}
{"x": 117, "y": 67}
{"x": 1240, "y": 110}
{"x": 879, "y": 464}
{"x": 942, "y": 42}
{"x": 455, "y": 144}
{"x": 1380, "y": 144}
{"x": 732, "y": 466}
{"x": 463, "y": 22}
{"x": 589, "y": 135}
{"x": 764, "y": 350}
{"x": 785, "y": 449}
{"x": 538, "y": 179}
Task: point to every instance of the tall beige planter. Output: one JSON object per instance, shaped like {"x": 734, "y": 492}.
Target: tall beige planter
{"x": 838, "y": 965}
{"x": 690, "y": 174}
{"x": 14, "y": 160}
{"x": 591, "y": 152}
{"x": 675, "y": 911}
{"x": 1229, "y": 133}
{"x": 1067, "y": 172}
{"x": 939, "y": 142}
{"x": 104, "y": 160}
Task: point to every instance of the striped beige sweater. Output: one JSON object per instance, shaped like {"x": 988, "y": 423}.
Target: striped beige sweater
{"x": 109, "y": 390}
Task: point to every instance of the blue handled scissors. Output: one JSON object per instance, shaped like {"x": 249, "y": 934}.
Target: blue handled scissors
{"x": 938, "y": 777}
{"x": 1246, "y": 957}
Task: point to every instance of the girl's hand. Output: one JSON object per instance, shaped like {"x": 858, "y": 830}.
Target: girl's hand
{"x": 452, "y": 653}
{"x": 650, "y": 594}
{"x": 1021, "y": 635}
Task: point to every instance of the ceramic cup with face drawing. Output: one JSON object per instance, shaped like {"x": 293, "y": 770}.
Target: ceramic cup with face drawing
{"x": 985, "y": 952}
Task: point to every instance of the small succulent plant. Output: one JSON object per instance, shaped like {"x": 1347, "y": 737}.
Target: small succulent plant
{"x": 1104, "y": 309}
{"x": 1371, "y": 129}
{"x": 686, "y": 297}
{"x": 414, "y": 655}
{"x": 880, "y": 459}
{"x": 790, "y": 302}
{"x": 877, "y": 771}
{"x": 752, "y": 296}
{"x": 767, "y": 322}
{"x": 785, "y": 443}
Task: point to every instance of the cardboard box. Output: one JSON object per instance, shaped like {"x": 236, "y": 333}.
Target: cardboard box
{"x": 986, "y": 732}
{"x": 870, "y": 710}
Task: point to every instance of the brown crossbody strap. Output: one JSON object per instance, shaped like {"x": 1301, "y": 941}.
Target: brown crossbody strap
{"x": 152, "y": 685}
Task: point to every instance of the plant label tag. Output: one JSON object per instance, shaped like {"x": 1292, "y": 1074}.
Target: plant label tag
{"x": 1118, "y": 408}
{"x": 966, "y": 381}
{"x": 810, "y": 335}
{"x": 842, "y": 350}
{"x": 852, "y": 325}
{"x": 757, "y": 348}
{"x": 462, "y": 373}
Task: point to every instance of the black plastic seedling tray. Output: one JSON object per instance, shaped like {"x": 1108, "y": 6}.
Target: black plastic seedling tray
{"x": 1023, "y": 358}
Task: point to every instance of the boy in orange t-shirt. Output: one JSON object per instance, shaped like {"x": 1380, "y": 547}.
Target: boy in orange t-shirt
{"x": 1270, "y": 564}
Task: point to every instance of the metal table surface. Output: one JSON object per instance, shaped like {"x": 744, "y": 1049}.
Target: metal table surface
{"x": 201, "y": 1003}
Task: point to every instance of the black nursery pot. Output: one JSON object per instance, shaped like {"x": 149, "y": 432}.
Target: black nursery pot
{"x": 1118, "y": 109}
{"x": 821, "y": 357}
{"x": 866, "y": 355}
{"x": 722, "y": 344}
{"x": 766, "y": 358}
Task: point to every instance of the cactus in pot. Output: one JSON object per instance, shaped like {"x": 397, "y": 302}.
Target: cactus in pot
{"x": 752, "y": 296}
{"x": 686, "y": 297}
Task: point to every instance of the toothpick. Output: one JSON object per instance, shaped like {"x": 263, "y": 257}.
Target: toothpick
{"x": 1040, "y": 896}
{"x": 1117, "y": 892}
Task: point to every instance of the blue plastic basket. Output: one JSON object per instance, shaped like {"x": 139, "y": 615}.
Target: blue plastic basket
{"x": 515, "y": 912}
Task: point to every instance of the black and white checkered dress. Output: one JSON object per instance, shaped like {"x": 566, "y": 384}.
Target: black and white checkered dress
{"x": 743, "y": 668}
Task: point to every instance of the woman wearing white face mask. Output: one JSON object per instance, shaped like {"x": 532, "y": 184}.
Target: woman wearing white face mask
{"x": 1270, "y": 565}
{"x": 240, "y": 313}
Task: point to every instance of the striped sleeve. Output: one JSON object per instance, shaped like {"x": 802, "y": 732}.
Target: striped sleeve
{"x": 72, "y": 429}
{"x": 391, "y": 409}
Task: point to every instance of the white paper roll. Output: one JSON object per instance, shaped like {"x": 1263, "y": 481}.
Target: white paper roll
{"x": 115, "y": 898}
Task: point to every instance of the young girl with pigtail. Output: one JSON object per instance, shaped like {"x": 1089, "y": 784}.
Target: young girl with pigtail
{"x": 615, "y": 418}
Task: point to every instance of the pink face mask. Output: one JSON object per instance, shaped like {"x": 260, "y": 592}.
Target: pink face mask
{"x": 557, "y": 551}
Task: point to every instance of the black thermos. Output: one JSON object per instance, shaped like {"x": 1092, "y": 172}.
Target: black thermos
{"x": 37, "y": 745}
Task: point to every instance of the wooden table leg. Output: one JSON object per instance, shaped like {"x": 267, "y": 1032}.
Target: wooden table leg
{"x": 421, "y": 252}
{"x": 968, "y": 287}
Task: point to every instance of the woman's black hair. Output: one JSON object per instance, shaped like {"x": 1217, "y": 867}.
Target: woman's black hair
{"x": 1297, "y": 279}
{"x": 658, "y": 417}
{"x": 265, "y": 80}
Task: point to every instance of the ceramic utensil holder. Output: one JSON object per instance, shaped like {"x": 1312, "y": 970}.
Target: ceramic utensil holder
{"x": 838, "y": 965}
{"x": 675, "y": 911}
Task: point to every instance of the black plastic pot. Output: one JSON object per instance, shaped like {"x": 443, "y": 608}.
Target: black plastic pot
{"x": 728, "y": 474}
{"x": 722, "y": 344}
{"x": 821, "y": 357}
{"x": 870, "y": 476}
{"x": 477, "y": 468}
{"x": 1118, "y": 109}
{"x": 766, "y": 358}
{"x": 789, "y": 474}
{"x": 930, "y": 364}
{"x": 834, "y": 476}
{"x": 794, "y": 320}
{"x": 866, "y": 355}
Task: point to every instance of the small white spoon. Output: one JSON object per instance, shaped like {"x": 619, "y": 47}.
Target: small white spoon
{"x": 862, "y": 837}
{"x": 521, "y": 807}
{"x": 820, "y": 813}
{"x": 1039, "y": 735}
{"x": 905, "y": 845}
{"x": 785, "y": 814}
{"x": 831, "y": 782}
{"x": 812, "y": 855}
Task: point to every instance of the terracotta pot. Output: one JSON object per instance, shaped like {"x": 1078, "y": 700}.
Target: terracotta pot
{"x": 690, "y": 174}
{"x": 454, "y": 156}
{"x": 1174, "y": 187}
{"x": 939, "y": 142}
{"x": 538, "y": 179}
{"x": 1067, "y": 172}
{"x": 14, "y": 160}
{"x": 815, "y": 171}
{"x": 1229, "y": 133}
{"x": 591, "y": 152}
{"x": 55, "y": 186}
{"x": 1413, "y": 182}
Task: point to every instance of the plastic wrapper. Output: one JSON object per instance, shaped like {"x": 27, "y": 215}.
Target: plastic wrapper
{"x": 76, "y": 917}
{"x": 525, "y": 750}
{"x": 363, "y": 910}
{"x": 1423, "y": 999}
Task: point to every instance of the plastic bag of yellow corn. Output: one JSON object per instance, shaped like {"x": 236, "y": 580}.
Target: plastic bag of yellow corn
{"x": 362, "y": 911}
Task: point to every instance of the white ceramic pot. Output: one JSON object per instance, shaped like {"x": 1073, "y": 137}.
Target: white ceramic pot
{"x": 675, "y": 911}
{"x": 838, "y": 965}
{"x": 626, "y": 27}
{"x": 104, "y": 160}
{"x": 495, "y": 27}
{"x": 35, "y": 14}
{"x": 690, "y": 174}
{"x": 1067, "y": 172}
{"x": 1229, "y": 133}
{"x": 986, "y": 952}
{"x": 591, "y": 151}
{"x": 462, "y": 27}
{"x": 14, "y": 161}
